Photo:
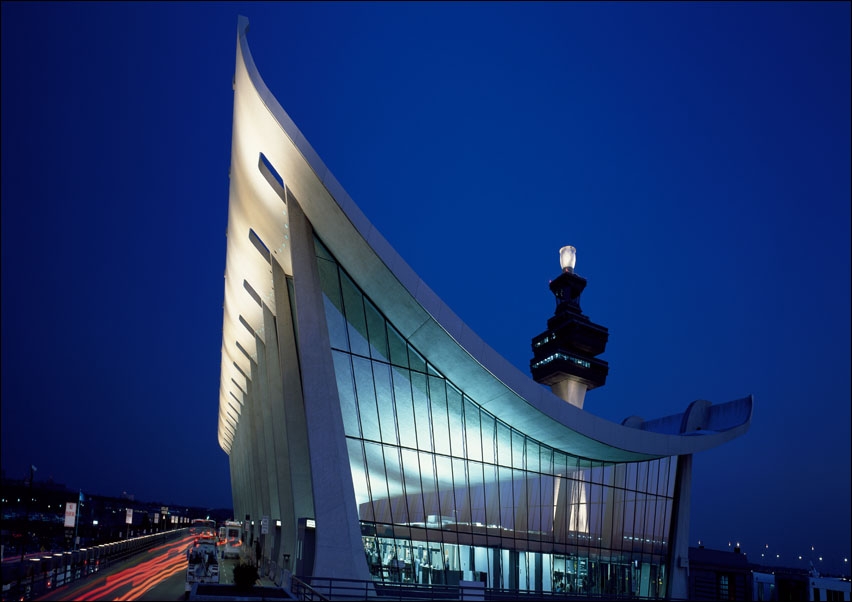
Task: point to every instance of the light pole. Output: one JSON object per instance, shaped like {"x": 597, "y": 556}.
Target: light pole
{"x": 77, "y": 519}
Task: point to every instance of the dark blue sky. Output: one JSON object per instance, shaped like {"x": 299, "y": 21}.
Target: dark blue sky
{"x": 697, "y": 155}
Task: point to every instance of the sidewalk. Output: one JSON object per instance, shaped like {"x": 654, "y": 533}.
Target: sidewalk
{"x": 264, "y": 578}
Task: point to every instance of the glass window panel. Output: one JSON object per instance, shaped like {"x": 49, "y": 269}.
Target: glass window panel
{"x": 431, "y": 505}
{"x": 642, "y": 476}
{"x": 411, "y": 470}
{"x": 532, "y": 455}
{"x": 620, "y": 506}
{"x": 656, "y": 526}
{"x": 672, "y": 471}
{"x": 354, "y": 305}
{"x": 346, "y": 393}
{"x": 444, "y": 472}
{"x": 607, "y": 509}
{"x": 461, "y": 491}
{"x": 504, "y": 445}
{"x": 404, "y": 407}
{"x": 454, "y": 412}
{"x": 518, "y": 441}
{"x": 333, "y": 304}
{"x": 489, "y": 438}
{"x": 440, "y": 423}
{"x": 629, "y": 511}
{"x": 594, "y": 491}
{"x": 632, "y": 469}
{"x": 608, "y": 474}
{"x": 560, "y": 463}
{"x": 477, "y": 494}
{"x": 377, "y": 333}
{"x": 578, "y": 511}
{"x": 654, "y": 477}
{"x": 398, "y": 348}
{"x": 321, "y": 251}
{"x": 546, "y": 460}
{"x": 534, "y": 516}
{"x": 421, "y": 411}
{"x": 378, "y": 481}
{"x": 359, "y": 479}
{"x": 639, "y": 521}
{"x": 547, "y": 502}
{"x": 363, "y": 371}
{"x": 384, "y": 399}
{"x": 507, "y": 500}
{"x": 492, "y": 495}
{"x": 473, "y": 434}
{"x": 597, "y": 473}
{"x": 396, "y": 491}
{"x": 521, "y": 502}
{"x": 416, "y": 360}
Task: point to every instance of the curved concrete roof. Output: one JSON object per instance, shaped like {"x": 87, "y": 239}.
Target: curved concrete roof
{"x": 262, "y": 126}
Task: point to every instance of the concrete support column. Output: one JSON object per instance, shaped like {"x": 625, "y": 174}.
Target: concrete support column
{"x": 253, "y": 493}
{"x": 296, "y": 494}
{"x": 279, "y": 485}
{"x": 678, "y": 580}
{"x": 339, "y": 550}
{"x": 269, "y": 383}
{"x": 259, "y": 444}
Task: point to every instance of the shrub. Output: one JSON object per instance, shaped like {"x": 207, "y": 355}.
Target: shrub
{"x": 245, "y": 575}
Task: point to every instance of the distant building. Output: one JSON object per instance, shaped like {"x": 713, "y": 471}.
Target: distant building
{"x": 373, "y": 436}
{"x": 828, "y": 588}
{"x": 719, "y": 575}
{"x": 728, "y": 575}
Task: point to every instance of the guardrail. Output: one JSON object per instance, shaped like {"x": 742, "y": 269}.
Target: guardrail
{"x": 40, "y": 575}
{"x": 322, "y": 589}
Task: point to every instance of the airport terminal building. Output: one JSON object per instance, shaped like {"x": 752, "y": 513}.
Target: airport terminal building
{"x": 384, "y": 441}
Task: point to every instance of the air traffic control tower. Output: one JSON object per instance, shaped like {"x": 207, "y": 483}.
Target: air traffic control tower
{"x": 565, "y": 355}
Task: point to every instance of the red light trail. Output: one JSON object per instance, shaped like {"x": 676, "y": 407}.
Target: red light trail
{"x": 143, "y": 576}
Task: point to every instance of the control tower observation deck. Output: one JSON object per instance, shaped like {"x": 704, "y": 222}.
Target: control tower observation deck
{"x": 565, "y": 355}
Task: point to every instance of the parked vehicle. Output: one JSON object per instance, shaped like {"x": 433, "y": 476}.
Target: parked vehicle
{"x": 202, "y": 566}
{"x": 230, "y": 539}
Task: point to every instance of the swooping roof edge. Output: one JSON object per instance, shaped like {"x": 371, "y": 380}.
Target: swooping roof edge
{"x": 419, "y": 314}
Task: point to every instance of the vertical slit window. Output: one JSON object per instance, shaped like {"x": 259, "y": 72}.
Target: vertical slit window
{"x": 270, "y": 174}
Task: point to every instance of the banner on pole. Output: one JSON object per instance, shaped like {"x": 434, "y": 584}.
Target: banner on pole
{"x": 70, "y": 514}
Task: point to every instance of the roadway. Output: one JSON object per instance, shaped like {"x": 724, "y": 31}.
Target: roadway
{"x": 156, "y": 574}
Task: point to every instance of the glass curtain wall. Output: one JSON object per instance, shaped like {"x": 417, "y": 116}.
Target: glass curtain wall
{"x": 447, "y": 491}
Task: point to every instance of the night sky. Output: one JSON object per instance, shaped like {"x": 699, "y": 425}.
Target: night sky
{"x": 697, "y": 155}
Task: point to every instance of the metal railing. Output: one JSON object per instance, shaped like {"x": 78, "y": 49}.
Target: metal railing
{"x": 37, "y": 576}
{"x": 323, "y": 588}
